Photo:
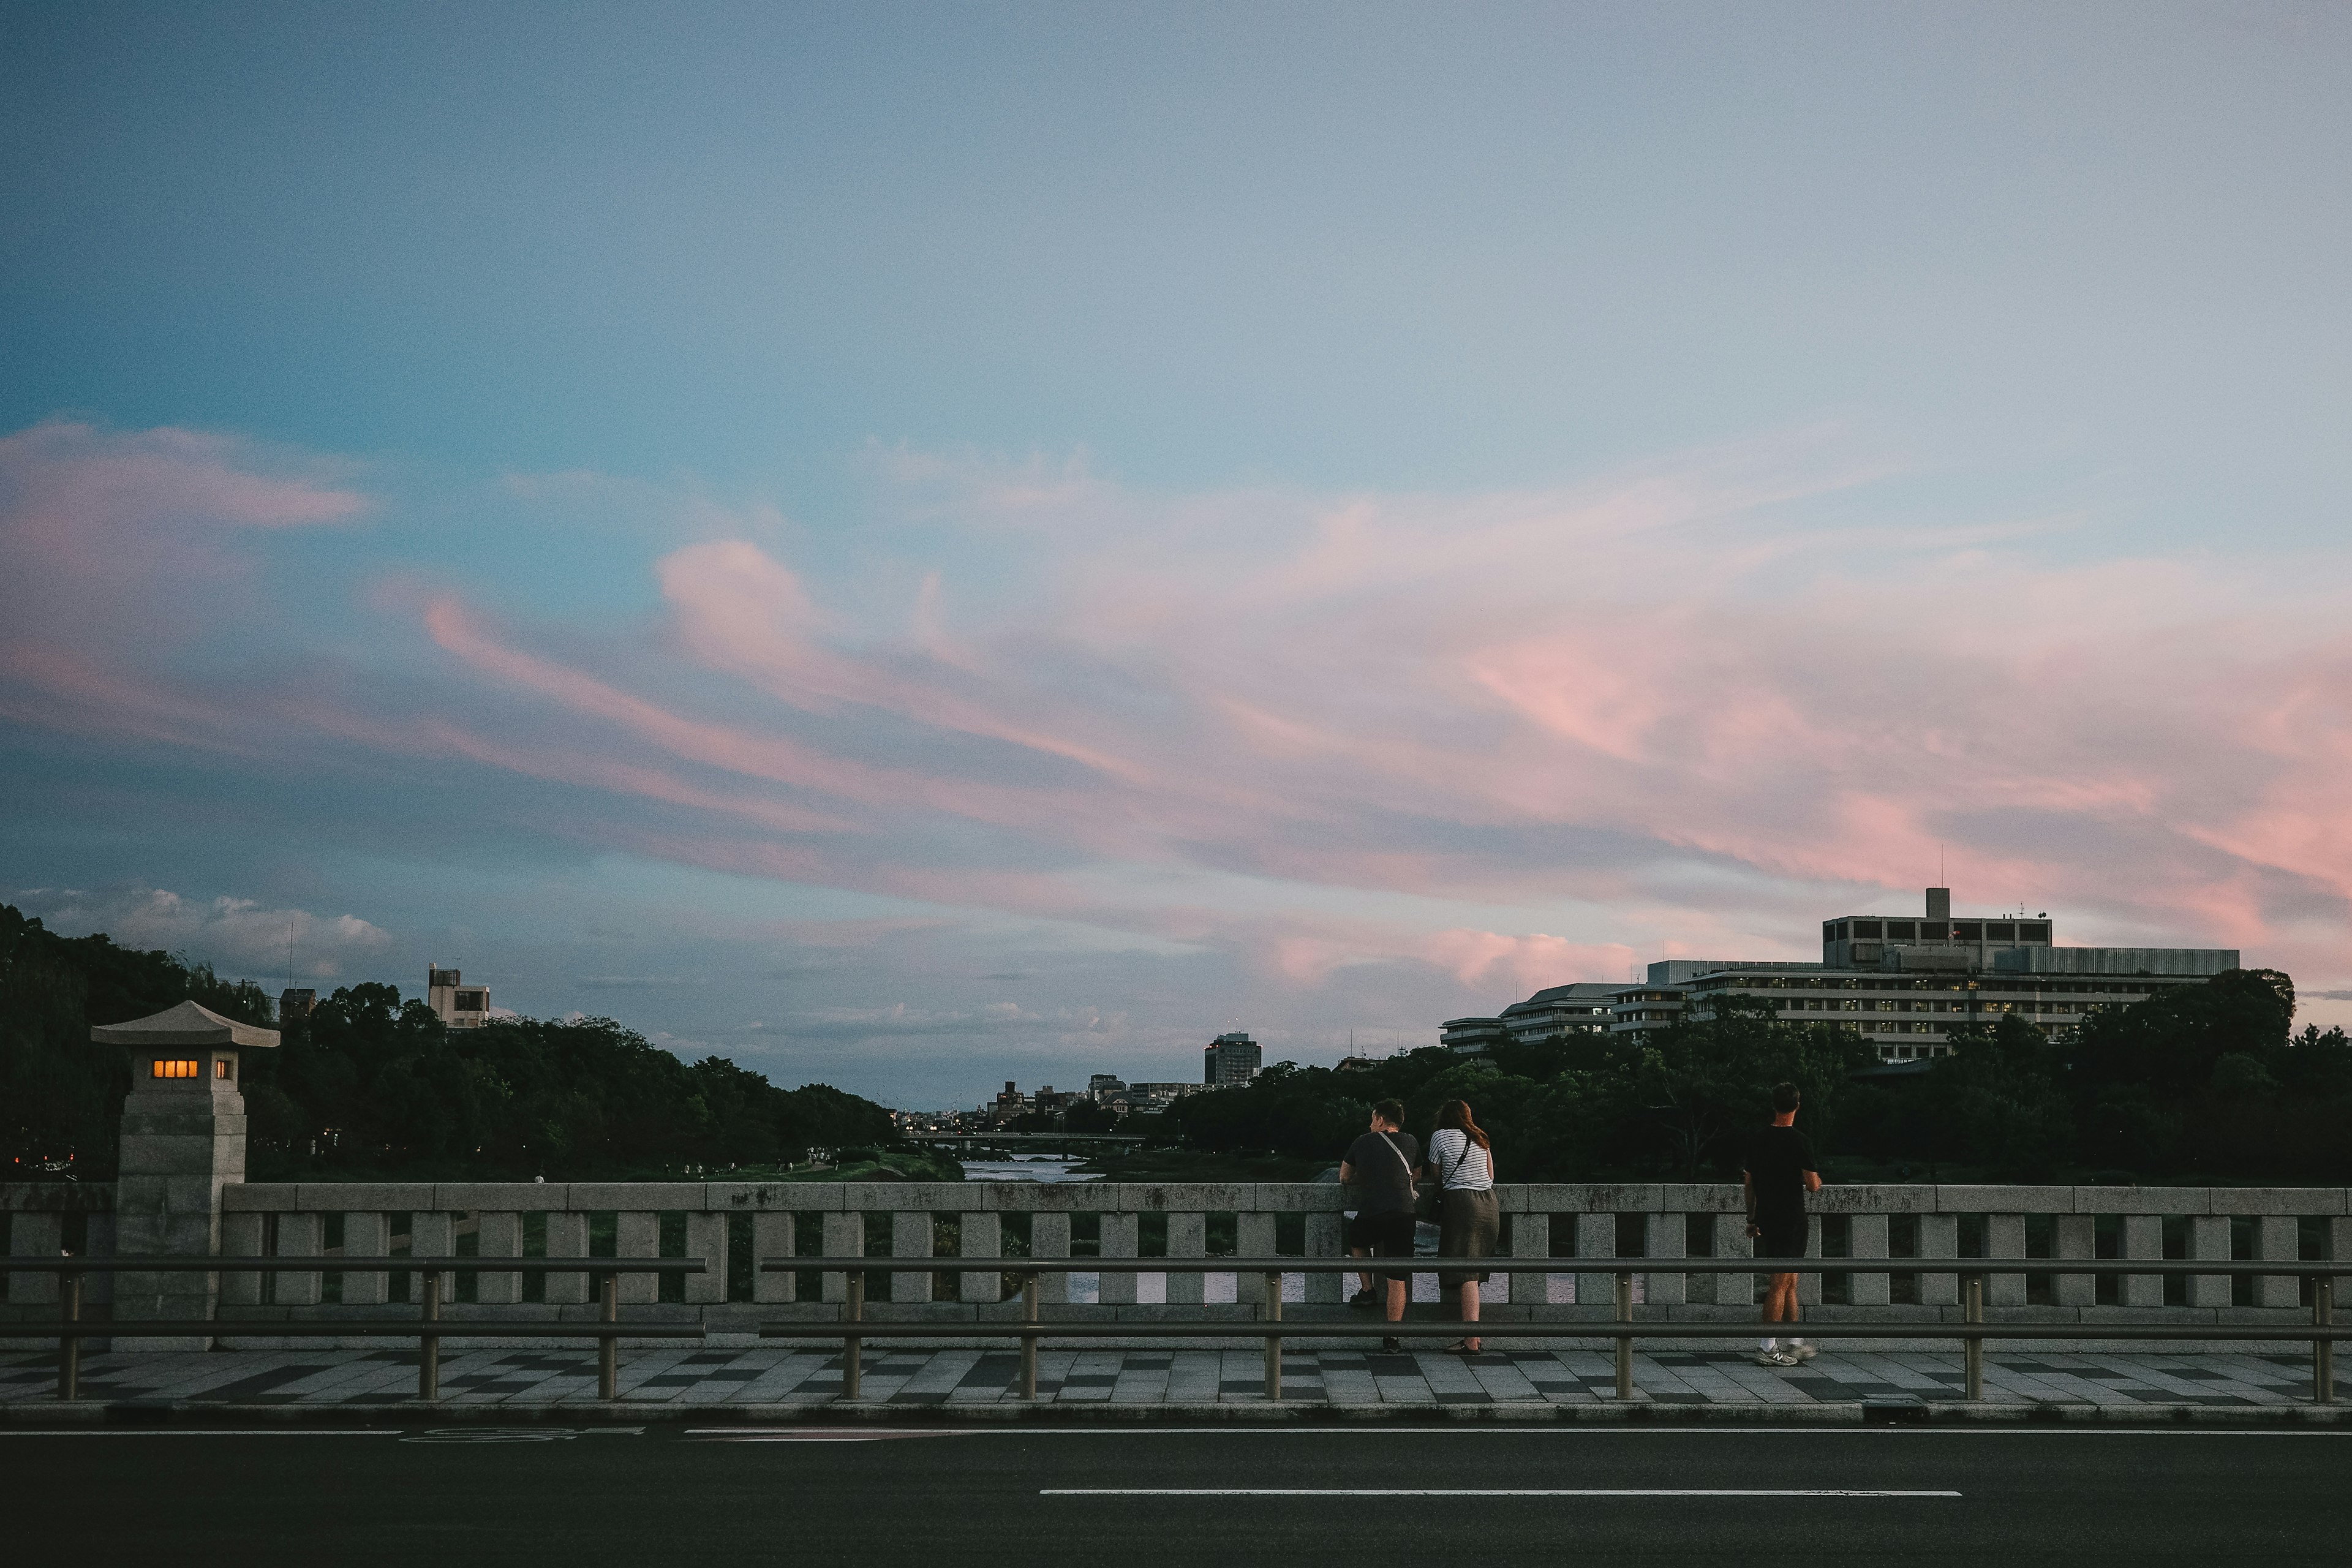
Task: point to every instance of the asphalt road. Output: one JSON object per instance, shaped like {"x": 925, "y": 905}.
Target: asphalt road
{"x": 664, "y": 1495}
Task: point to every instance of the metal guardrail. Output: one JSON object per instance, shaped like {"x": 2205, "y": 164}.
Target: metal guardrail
{"x": 854, "y": 1329}
{"x": 1972, "y": 1332}
{"x": 70, "y": 1329}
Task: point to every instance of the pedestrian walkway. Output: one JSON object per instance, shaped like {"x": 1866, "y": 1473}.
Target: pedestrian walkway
{"x": 688, "y": 1377}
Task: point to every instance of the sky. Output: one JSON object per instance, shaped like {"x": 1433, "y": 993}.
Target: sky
{"x": 917, "y": 546}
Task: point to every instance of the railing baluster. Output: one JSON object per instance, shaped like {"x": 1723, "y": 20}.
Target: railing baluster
{"x": 1028, "y": 1338}
{"x": 69, "y": 1343}
{"x": 1270, "y": 1308}
{"x": 608, "y": 1348}
{"x": 428, "y": 1345}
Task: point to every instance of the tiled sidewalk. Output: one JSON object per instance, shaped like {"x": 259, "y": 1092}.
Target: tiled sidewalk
{"x": 767, "y": 1375}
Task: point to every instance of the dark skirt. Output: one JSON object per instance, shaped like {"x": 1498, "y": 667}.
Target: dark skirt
{"x": 1467, "y": 1224}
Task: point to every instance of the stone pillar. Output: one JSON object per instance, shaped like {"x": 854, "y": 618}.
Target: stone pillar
{"x": 1122, "y": 1236}
{"x": 706, "y": 1238}
{"x": 980, "y": 1234}
{"x": 2278, "y": 1237}
{"x": 2143, "y": 1238}
{"x": 1732, "y": 1240}
{"x": 1666, "y": 1235}
{"x": 844, "y": 1236}
{"x": 497, "y": 1233}
{"x": 1940, "y": 1238}
{"x": 1049, "y": 1236}
{"x": 366, "y": 1235}
{"x": 772, "y": 1238}
{"x": 183, "y": 1142}
{"x": 1596, "y": 1236}
{"x": 2077, "y": 1236}
{"x": 2005, "y": 1237}
{"x": 1530, "y": 1238}
{"x": 1326, "y": 1237}
{"x": 1866, "y": 1238}
{"x": 567, "y": 1236}
{"x": 2209, "y": 1238}
{"x": 1188, "y": 1237}
{"x": 1252, "y": 1237}
{"x": 911, "y": 1237}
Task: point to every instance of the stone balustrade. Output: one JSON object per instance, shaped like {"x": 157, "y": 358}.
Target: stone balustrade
{"x": 1907, "y": 1243}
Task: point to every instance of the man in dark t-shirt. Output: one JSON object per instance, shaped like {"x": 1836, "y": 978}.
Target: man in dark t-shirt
{"x": 1779, "y": 1170}
{"x": 1380, "y": 1166}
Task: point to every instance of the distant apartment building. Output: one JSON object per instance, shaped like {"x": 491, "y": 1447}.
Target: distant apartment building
{"x": 293, "y": 1004}
{"x": 1903, "y": 982}
{"x": 456, "y": 1003}
{"x": 1230, "y": 1059}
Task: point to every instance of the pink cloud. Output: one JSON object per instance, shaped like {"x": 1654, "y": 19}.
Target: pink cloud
{"x": 1516, "y": 737}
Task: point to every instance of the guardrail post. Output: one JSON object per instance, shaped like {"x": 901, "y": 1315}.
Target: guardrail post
{"x": 608, "y": 1348}
{"x": 1271, "y": 1309}
{"x": 1972, "y": 1348}
{"x": 69, "y": 1343}
{"x": 428, "y": 1345}
{"x": 1624, "y": 1341}
{"x": 2323, "y": 1351}
{"x": 1028, "y": 1340}
{"x": 852, "y": 1351}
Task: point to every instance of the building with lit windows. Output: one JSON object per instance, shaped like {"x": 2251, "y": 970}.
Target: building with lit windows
{"x": 1907, "y": 983}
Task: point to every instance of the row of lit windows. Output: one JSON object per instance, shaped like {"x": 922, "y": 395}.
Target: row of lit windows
{"x": 223, "y": 1067}
{"x": 1815, "y": 983}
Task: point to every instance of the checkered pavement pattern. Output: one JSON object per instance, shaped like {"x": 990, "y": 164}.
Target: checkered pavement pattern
{"x": 770, "y": 1375}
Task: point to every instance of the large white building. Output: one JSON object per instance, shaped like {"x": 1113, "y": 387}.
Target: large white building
{"x": 1903, "y": 982}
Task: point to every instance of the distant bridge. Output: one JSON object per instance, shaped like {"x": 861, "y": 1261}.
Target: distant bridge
{"x": 1032, "y": 1140}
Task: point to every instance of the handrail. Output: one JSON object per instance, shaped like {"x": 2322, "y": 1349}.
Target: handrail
{"x": 336, "y": 1264}
{"x": 886, "y": 1263}
{"x": 1972, "y": 1332}
{"x": 426, "y": 1328}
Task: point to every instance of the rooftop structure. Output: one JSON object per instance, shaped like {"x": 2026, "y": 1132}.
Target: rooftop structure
{"x": 1905, "y": 982}
{"x": 456, "y": 1003}
{"x": 1230, "y": 1059}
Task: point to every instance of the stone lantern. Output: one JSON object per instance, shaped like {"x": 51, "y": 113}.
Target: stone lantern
{"x": 183, "y": 1142}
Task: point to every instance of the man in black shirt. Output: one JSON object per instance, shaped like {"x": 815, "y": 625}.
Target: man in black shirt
{"x": 1380, "y": 1166}
{"x": 1781, "y": 1170}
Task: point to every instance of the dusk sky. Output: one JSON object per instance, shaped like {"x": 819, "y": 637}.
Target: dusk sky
{"x": 918, "y": 546}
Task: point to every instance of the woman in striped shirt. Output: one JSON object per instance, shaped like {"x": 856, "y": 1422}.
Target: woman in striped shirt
{"x": 1462, "y": 1162}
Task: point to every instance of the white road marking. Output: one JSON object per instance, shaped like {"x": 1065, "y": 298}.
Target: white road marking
{"x": 1483, "y": 1491}
{"x": 199, "y": 1432}
{"x": 813, "y": 1435}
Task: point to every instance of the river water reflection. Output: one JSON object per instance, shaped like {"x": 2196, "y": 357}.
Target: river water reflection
{"x": 1029, "y": 1168}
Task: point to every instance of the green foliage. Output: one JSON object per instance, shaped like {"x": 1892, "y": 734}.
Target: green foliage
{"x": 60, "y": 1095}
{"x": 373, "y": 1085}
{"x": 2197, "y": 1081}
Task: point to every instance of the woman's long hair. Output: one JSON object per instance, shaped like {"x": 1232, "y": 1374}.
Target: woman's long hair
{"x": 1455, "y": 1113}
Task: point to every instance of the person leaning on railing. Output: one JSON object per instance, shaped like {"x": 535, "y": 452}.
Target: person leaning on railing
{"x": 1380, "y": 1166}
{"x": 1462, "y": 1163}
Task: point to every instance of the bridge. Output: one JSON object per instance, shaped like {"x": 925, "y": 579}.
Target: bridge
{"x": 2021, "y": 1372}
{"x": 1026, "y": 1140}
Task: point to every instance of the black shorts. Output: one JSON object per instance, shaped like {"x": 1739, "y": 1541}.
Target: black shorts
{"x": 1783, "y": 1236}
{"x": 1386, "y": 1234}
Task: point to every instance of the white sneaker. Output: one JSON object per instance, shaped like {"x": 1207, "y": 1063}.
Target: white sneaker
{"x": 1803, "y": 1351}
{"x": 1775, "y": 1358}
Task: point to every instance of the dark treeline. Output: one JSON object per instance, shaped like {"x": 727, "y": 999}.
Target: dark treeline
{"x": 2197, "y": 1082}
{"x": 371, "y": 1085}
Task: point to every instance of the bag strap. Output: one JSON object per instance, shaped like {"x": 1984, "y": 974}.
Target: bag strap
{"x": 1401, "y": 1160}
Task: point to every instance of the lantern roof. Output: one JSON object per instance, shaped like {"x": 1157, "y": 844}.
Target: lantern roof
{"x": 186, "y": 1024}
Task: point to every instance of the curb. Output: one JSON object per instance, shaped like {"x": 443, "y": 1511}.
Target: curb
{"x": 1632, "y": 1414}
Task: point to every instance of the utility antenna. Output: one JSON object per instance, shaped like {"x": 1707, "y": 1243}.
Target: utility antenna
{"x": 290, "y": 956}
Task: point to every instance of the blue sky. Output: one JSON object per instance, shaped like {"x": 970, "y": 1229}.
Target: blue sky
{"x": 914, "y": 546}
